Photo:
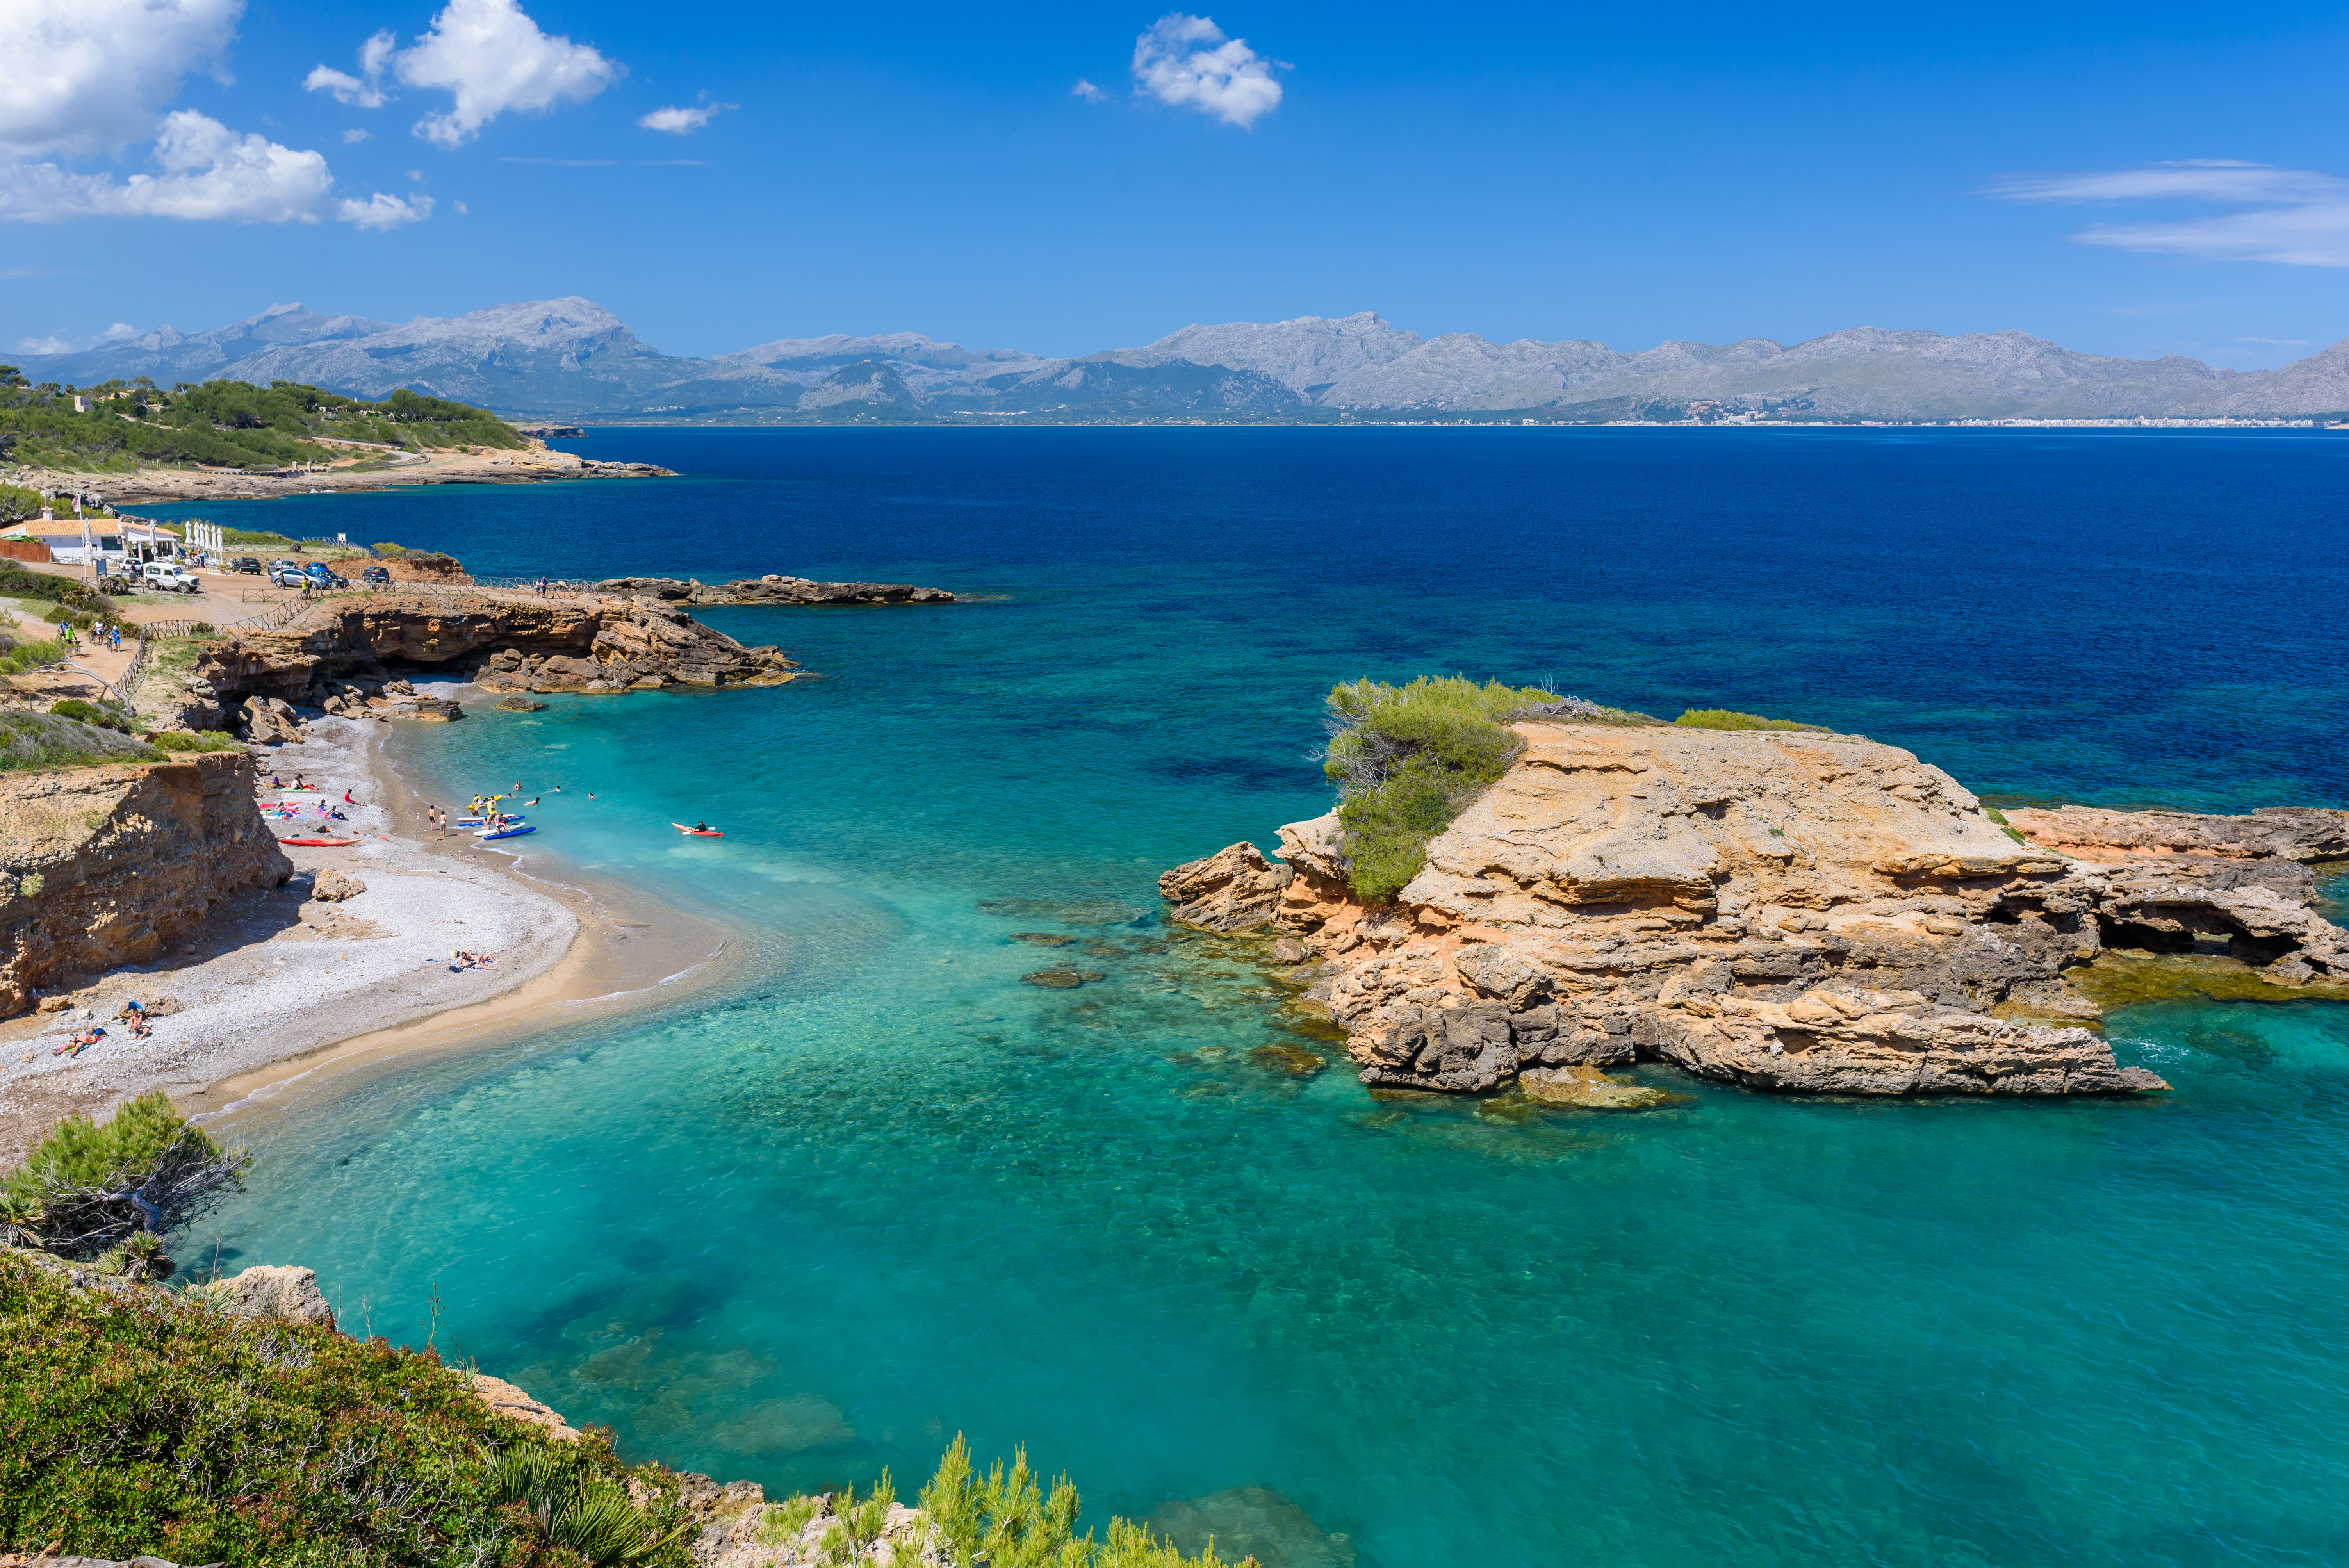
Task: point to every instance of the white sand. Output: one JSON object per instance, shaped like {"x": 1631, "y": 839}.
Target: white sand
{"x": 276, "y": 976}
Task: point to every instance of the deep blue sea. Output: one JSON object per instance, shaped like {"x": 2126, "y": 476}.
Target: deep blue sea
{"x": 872, "y": 1191}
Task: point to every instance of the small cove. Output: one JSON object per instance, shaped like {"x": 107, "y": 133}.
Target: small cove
{"x": 873, "y": 1191}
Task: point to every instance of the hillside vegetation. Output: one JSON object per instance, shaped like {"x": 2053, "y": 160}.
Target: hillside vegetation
{"x": 135, "y": 424}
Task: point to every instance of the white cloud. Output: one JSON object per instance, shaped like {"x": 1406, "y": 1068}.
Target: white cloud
{"x": 361, "y": 92}
{"x": 380, "y": 212}
{"x": 1087, "y": 91}
{"x": 2277, "y": 342}
{"x": 684, "y": 121}
{"x": 354, "y": 137}
{"x": 490, "y": 58}
{"x": 2298, "y": 218}
{"x": 86, "y": 76}
{"x": 209, "y": 172}
{"x": 58, "y": 342}
{"x": 1186, "y": 61}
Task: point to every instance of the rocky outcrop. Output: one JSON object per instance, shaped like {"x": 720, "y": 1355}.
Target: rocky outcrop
{"x": 1795, "y": 911}
{"x": 106, "y": 866}
{"x": 1232, "y": 890}
{"x": 287, "y": 1293}
{"x": 772, "y": 589}
{"x": 343, "y": 656}
{"x": 510, "y": 1402}
{"x": 2302, "y": 834}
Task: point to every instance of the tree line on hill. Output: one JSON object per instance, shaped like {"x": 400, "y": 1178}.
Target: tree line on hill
{"x": 124, "y": 425}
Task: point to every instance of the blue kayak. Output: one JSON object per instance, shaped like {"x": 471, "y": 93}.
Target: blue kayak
{"x": 507, "y": 833}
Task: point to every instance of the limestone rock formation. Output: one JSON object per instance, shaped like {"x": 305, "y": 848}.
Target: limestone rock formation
{"x": 1231, "y": 890}
{"x": 772, "y": 589}
{"x": 270, "y": 1291}
{"x": 106, "y": 866}
{"x": 1800, "y": 912}
{"x": 510, "y": 1401}
{"x": 331, "y": 886}
{"x": 2299, "y": 833}
{"x": 339, "y": 657}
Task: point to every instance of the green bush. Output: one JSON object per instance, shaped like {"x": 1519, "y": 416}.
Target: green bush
{"x": 106, "y": 716}
{"x": 1408, "y": 759}
{"x": 1725, "y": 719}
{"x": 85, "y": 1188}
{"x": 23, "y": 656}
{"x": 197, "y": 740}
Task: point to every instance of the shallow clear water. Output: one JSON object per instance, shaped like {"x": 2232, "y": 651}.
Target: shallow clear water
{"x": 876, "y": 1190}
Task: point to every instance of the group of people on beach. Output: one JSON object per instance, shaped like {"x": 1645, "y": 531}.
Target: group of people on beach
{"x": 460, "y": 959}
{"x": 133, "y": 1014}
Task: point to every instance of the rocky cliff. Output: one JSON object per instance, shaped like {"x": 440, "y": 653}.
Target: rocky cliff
{"x": 1799, "y": 912}
{"x": 106, "y": 866}
{"x": 351, "y": 647}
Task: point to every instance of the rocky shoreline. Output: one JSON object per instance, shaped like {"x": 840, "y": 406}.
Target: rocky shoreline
{"x": 771, "y": 589}
{"x": 1799, "y": 913}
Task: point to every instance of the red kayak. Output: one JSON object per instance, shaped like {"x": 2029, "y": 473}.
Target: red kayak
{"x": 696, "y": 832}
{"x": 320, "y": 843}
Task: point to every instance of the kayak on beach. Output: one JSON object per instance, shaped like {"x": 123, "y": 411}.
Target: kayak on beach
{"x": 508, "y": 833}
{"x": 696, "y": 832}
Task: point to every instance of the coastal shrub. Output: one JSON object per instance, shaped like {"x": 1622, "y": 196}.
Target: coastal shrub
{"x": 1408, "y": 759}
{"x": 86, "y": 1187}
{"x": 136, "y": 1420}
{"x": 197, "y": 740}
{"x": 19, "y": 582}
{"x": 106, "y": 714}
{"x": 1727, "y": 718}
{"x": 46, "y": 740}
{"x": 1005, "y": 1519}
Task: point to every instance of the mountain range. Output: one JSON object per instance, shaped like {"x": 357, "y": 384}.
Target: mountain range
{"x": 571, "y": 359}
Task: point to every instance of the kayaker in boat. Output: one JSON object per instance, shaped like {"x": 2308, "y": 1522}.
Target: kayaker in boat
{"x": 701, "y": 827}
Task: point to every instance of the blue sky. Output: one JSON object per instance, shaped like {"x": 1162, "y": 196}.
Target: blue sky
{"x": 1705, "y": 172}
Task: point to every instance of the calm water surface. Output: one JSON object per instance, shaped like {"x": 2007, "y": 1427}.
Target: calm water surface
{"x": 875, "y": 1191}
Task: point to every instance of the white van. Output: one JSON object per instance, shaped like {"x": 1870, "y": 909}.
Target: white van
{"x": 168, "y": 577}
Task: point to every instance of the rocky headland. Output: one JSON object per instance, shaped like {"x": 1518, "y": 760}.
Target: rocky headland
{"x": 352, "y": 656}
{"x": 1792, "y": 911}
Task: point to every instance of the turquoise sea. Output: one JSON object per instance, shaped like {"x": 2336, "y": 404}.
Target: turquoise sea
{"x": 872, "y": 1191}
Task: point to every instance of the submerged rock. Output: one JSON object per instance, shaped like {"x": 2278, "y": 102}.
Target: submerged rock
{"x": 1295, "y": 1061}
{"x": 519, "y": 705}
{"x": 1061, "y": 979}
{"x": 1043, "y": 938}
{"x": 1588, "y": 1088}
{"x": 1253, "y": 1522}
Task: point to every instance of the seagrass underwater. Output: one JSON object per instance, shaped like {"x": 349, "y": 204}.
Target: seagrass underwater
{"x": 871, "y": 1190}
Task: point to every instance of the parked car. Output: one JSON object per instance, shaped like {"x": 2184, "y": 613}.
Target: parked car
{"x": 322, "y": 575}
{"x": 245, "y": 563}
{"x": 168, "y": 577}
{"x": 376, "y": 577}
{"x": 286, "y": 574}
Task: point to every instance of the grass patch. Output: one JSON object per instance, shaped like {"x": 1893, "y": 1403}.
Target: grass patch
{"x": 1408, "y": 759}
{"x": 104, "y": 714}
{"x": 1729, "y": 718}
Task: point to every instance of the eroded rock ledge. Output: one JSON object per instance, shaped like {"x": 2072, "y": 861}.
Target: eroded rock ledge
{"x": 344, "y": 654}
{"x": 1796, "y": 911}
{"x": 772, "y": 589}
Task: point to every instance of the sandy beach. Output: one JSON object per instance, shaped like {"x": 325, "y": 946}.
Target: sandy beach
{"x": 283, "y": 997}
